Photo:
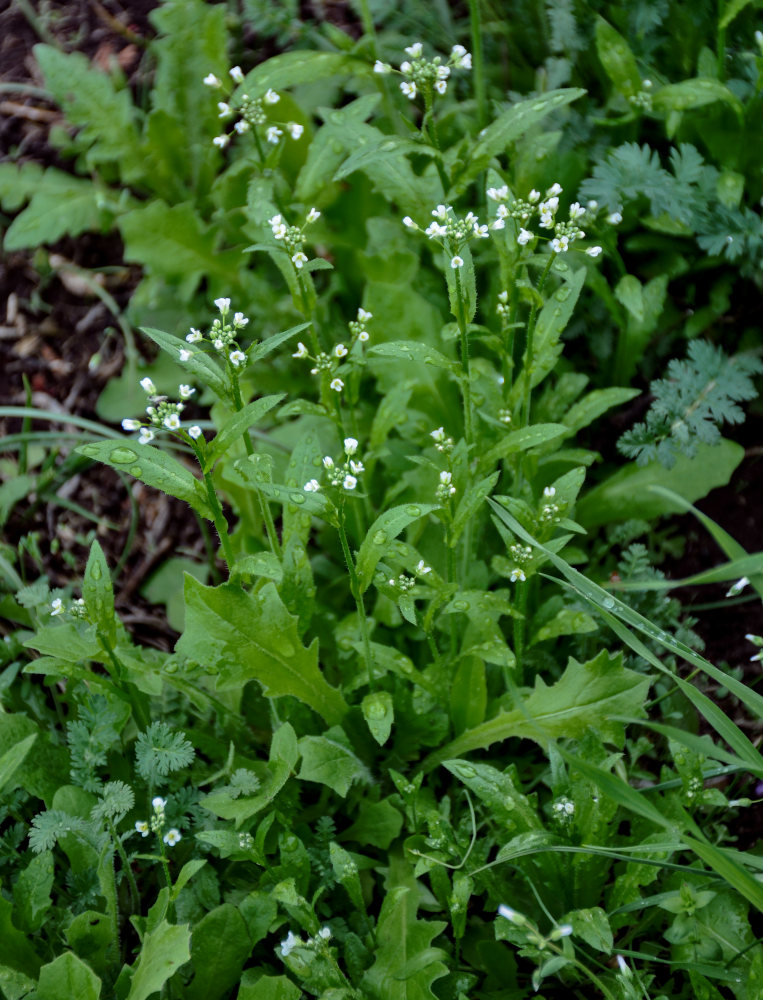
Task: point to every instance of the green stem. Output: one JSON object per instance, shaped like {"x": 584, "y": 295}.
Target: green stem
{"x": 519, "y": 631}
{"x": 429, "y": 129}
{"x": 218, "y": 518}
{"x": 528, "y": 368}
{"x": 123, "y": 686}
{"x": 356, "y": 593}
{"x": 452, "y": 575}
{"x": 478, "y": 71}
{"x": 134, "y": 894}
{"x": 466, "y": 382}
{"x": 267, "y": 517}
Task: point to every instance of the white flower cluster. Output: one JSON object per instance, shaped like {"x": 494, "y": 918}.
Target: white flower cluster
{"x": 162, "y": 414}
{"x": 292, "y": 238}
{"x": 426, "y": 76}
{"x": 342, "y": 474}
{"x": 756, "y": 640}
{"x": 442, "y": 442}
{"x": 642, "y": 99}
{"x": 445, "y": 489}
{"x": 549, "y": 511}
{"x": 249, "y": 112}
{"x": 563, "y": 809}
{"x": 331, "y": 363}
{"x": 546, "y": 208}
{"x": 292, "y": 941}
{"x": 222, "y": 337}
{"x": 157, "y": 822}
{"x": 534, "y": 936}
{"x": 521, "y": 554}
{"x": 453, "y": 233}
{"x": 76, "y": 609}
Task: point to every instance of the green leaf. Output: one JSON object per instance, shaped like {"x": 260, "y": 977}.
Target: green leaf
{"x": 629, "y": 292}
{"x": 330, "y": 145}
{"x": 378, "y": 711}
{"x": 378, "y": 824}
{"x": 405, "y": 962}
{"x": 592, "y": 925}
{"x": 730, "y": 11}
{"x": 89, "y": 99}
{"x": 13, "y": 758}
{"x": 617, "y": 59}
{"x": 628, "y": 492}
{"x": 200, "y": 365}
{"x": 346, "y": 871}
{"x": 411, "y": 350}
{"x": 293, "y": 68}
{"x": 585, "y": 697}
{"x": 720, "y": 861}
{"x": 61, "y": 205}
{"x": 16, "y": 951}
{"x": 468, "y": 694}
{"x": 253, "y": 637}
{"x": 219, "y": 947}
{"x": 153, "y": 467}
{"x": 163, "y": 951}
{"x": 31, "y": 893}
{"x": 552, "y": 322}
{"x": 330, "y": 760}
{"x": 239, "y": 425}
{"x": 470, "y": 503}
{"x": 499, "y": 793}
{"x": 268, "y": 988}
{"x": 594, "y": 404}
{"x": 522, "y": 440}
{"x": 696, "y": 93}
{"x": 68, "y": 978}
{"x": 98, "y": 593}
{"x": 382, "y": 533}
{"x": 89, "y": 935}
{"x": 510, "y": 125}
{"x": 266, "y": 347}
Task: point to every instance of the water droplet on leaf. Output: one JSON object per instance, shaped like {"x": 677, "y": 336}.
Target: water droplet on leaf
{"x": 123, "y": 456}
{"x": 379, "y": 538}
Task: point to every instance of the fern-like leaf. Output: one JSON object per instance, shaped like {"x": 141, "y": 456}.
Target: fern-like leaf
{"x": 117, "y": 799}
{"x": 48, "y": 826}
{"x": 159, "y": 751}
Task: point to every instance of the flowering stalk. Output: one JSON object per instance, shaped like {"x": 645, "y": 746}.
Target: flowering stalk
{"x": 529, "y": 344}
{"x": 464, "y": 338}
{"x": 218, "y": 517}
{"x": 479, "y": 66}
{"x": 134, "y": 894}
{"x": 356, "y": 593}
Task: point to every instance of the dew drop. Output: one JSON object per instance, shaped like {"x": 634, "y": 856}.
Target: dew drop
{"x": 171, "y": 668}
{"x": 297, "y": 497}
{"x": 123, "y": 456}
{"x": 379, "y": 538}
{"x": 135, "y": 470}
{"x": 95, "y": 571}
{"x": 89, "y": 449}
{"x": 562, "y": 294}
{"x": 375, "y": 710}
{"x": 317, "y": 461}
{"x": 461, "y": 605}
{"x": 413, "y": 510}
{"x": 608, "y": 602}
{"x": 405, "y": 666}
{"x": 467, "y": 771}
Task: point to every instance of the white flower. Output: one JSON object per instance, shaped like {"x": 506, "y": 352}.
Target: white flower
{"x": 510, "y": 914}
{"x": 171, "y": 837}
{"x": 350, "y": 446}
{"x": 195, "y": 431}
{"x": 218, "y": 344}
{"x": 57, "y": 607}
{"x": 441, "y": 86}
{"x": 461, "y": 58}
{"x": 554, "y": 190}
{"x": 456, "y": 262}
{"x": 158, "y": 803}
{"x": 593, "y": 251}
{"x": 438, "y": 434}
{"x": 223, "y": 305}
{"x": 356, "y": 467}
{"x": 336, "y": 384}
{"x": 615, "y": 218}
{"x": 340, "y": 351}
{"x": 415, "y": 51}
{"x": 271, "y": 97}
{"x": 224, "y": 108}
{"x": 142, "y": 827}
{"x": 313, "y": 215}
{"x": 480, "y": 232}
{"x": 299, "y": 260}
{"x": 445, "y": 478}
{"x": 289, "y": 943}
{"x": 517, "y": 574}
{"x": 211, "y": 80}
{"x": 623, "y": 966}
{"x": 239, "y": 320}
{"x": 435, "y": 229}
{"x": 533, "y": 196}
{"x": 241, "y": 126}
{"x": 312, "y": 487}
{"x": 295, "y": 129}
{"x": 498, "y": 224}
{"x": 563, "y": 930}
{"x": 405, "y": 67}
{"x": 549, "y": 491}
{"x": 279, "y": 231}
{"x": 328, "y": 462}
{"x": 325, "y": 933}
{"x": 738, "y": 587}
{"x": 185, "y": 391}
{"x": 576, "y": 210}
{"x": 237, "y": 74}
{"x": 560, "y": 244}
{"x": 237, "y": 358}
{"x": 502, "y": 212}
{"x": 273, "y": 134}
{"x": 363, "y": 336}
{"x": 443, "y": 72}
{"x": 382, "y": 67}
{"x": 130, "y": 425}
{"x": 592, "y": 206}
{"x": 498, "y": 194}
{"x": 546, "y": 220}
{"x": 524, "y": 237}
{"x": 409, "y": 89}
{"x": 350, "y": 482}
{"x": 221, "y": 141}
{"x": 422, "y": 569}
{"x": 146, "y": 435}
{"x": 275, "y": 222}
{"x": 194, "y": 336}
{"x": 550, "y": 205}
{"x": 301, "y": 351}
{"x": 364, "y": 315}
{"x": 172, "y": 422}
{"x": 148, "y": 386}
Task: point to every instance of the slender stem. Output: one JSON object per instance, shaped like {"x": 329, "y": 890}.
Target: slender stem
{"x": 464, "y": 338}
{"x": 267, "y": 517}
{"x": 429, "y": 128}
{"x": 134, "y": 894}
{"x": 528, "y": 368}
{"x": 122, "y": 685}
{"x": 519, "y": 631}
{"x": 357, "y": 594}
{"x": 218, "y": 518}
{"x": 478, "y": 73}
